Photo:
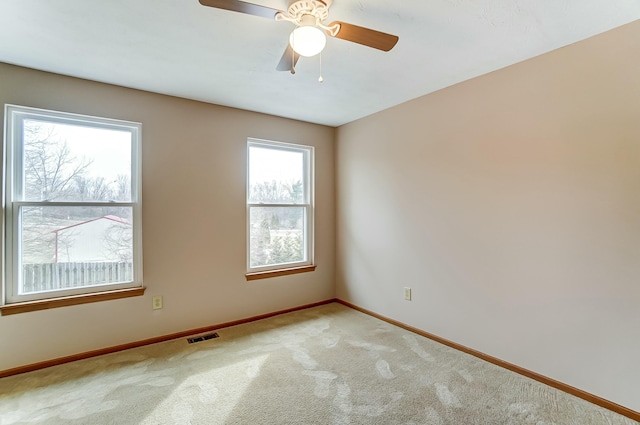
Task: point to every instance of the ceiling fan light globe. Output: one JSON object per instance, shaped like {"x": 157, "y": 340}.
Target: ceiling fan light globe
{"x": 307, "y": 40}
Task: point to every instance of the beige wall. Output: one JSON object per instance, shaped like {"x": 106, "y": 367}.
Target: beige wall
{"x": 193, "y": 193}
{"x": 511, "y": 205}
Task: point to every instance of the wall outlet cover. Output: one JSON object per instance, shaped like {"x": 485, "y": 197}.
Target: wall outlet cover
{"x": 157, "y": 302}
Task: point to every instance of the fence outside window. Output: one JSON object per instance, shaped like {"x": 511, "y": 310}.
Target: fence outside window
{"x": 51, "y": 276}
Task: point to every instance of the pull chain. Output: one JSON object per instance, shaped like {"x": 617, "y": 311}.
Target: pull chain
{"x": 320, "y": 79}
{"x": 293, "y": 55}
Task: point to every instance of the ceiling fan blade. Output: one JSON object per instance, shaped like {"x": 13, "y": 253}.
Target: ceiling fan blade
{"x": 242, "y": 7}
{"x": 288, "y": 60}
{"x": 365, "y": 36}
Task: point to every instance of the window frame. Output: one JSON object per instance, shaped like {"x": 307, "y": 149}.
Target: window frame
{"x": 12, "y": 203}
{"x": 309, "y": 208}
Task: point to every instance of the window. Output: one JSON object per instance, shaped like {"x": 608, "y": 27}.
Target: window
{"x": 279, "y": 206}
{"x": 72, "y": 205}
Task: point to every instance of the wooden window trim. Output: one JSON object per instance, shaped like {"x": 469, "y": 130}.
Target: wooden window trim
{"x": 24, "y": 307}
{"x": 280, "y": 272}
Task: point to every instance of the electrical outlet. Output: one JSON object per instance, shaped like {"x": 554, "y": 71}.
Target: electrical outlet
{"x": 407, "y": 293}
{"x": 157, "y": 302}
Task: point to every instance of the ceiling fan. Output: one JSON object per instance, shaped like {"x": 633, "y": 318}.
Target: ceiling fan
{"x": 308, "y": 38}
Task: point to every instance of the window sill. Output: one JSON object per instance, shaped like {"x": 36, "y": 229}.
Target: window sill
{"x": 279, "y": 272}
{"x": 27, "y": 306}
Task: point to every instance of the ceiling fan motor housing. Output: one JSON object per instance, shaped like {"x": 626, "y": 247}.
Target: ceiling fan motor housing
{"x": 318, "y": 8}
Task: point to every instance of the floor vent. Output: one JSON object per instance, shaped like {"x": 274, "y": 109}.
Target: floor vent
{"x": 203, "y": 337}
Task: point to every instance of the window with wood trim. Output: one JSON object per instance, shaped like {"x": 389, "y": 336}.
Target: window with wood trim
{"x": 279, "y": 206}
{"x": 72, "y": 205}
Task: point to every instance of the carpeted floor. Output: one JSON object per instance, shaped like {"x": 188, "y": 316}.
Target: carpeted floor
{"x": 325, "y": 365}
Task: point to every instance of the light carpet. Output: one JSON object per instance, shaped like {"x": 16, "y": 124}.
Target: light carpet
{"x": 324, "y": 365}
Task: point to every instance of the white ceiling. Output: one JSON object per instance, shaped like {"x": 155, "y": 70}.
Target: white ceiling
{"x": 181, "y": 48}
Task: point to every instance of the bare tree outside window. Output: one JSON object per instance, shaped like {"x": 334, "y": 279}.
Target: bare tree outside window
{"x": 118, "y": 242}
{"x": 50, "y": 168}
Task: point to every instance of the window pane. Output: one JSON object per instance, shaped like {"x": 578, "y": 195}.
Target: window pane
{"x": 64, "y": 162}
{"x": 277, "y": 235}
{"x": 276, "y": 176}
{"x": 67, "y": 247}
